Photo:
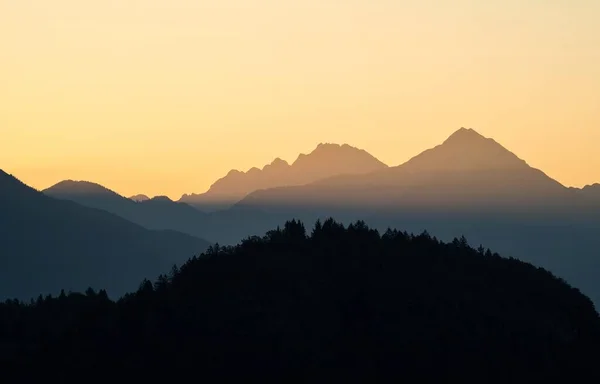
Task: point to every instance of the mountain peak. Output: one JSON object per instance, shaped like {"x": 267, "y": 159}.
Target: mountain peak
{"x": 466, "y": 150}
{"x": 466, "y": 136}
{"x": 333, "y": 149}
{"x": 278, "y": 162}
{"x": 139, "y": 198}
{"x": 161, "y": 199}
{"x": 328, "y": 146}
{"x": 78, "y": 187}
{"x": 343, "y": 157}
{"x": 325, "y": 161}
{"x": 234, "y": 172}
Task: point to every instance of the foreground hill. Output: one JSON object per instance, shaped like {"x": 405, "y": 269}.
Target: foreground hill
{"x": 48, "y": 244}
{"x": 325, "y": 161}
{"x": 346, "y": 303}
{"x": 158, "y": 213}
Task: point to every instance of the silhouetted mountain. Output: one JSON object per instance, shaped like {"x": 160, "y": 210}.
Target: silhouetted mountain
{"x": 164, "y": 199}
{"x": 86, "y": 193}
{"x": 48, "y": 244}
{"x": 325, "y": 161}
{"x": 161, "y": 213}
{"x": 467, "y": 171}
{"x": 139, "y": 198}
{"x": 158, "y": 213}
{"x": 346, "y": 303}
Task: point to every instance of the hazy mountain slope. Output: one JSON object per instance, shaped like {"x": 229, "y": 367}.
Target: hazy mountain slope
{"x": 325, "y": 161}
{"x": 159, "y": 213}
{"x": 48, "y": 244}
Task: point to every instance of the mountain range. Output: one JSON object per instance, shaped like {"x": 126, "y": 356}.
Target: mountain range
{"x": 324, "y": 161}
{"x": 157, "y": 213}
{"x": 49, "y": 244}
{"x": 467, "y": 171}
{"x": 468, "y": 185}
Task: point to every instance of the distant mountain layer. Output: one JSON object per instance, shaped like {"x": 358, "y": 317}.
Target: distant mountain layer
{"x": 161, "y": 213}
{"x": 325, "y": 161}
{"x": 49, "y": 244}
{"x": 466, "y": 171}
{"x": 158, "y": 213}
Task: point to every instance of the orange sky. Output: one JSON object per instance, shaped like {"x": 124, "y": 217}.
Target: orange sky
{"x": 165, "y": 96}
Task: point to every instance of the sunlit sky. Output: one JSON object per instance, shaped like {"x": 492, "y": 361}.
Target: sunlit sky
{"x": 162, "y": 97}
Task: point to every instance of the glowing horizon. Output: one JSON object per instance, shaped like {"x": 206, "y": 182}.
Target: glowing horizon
{"x": 163, "y": 97}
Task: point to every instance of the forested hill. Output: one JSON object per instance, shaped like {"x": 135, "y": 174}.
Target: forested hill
{"x": 340, "y": 303}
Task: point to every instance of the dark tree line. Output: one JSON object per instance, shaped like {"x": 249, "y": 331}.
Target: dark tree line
{"x": 342, "y": 303}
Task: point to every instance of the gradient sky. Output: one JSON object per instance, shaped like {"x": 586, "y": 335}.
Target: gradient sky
{"x": 164, "y": 96}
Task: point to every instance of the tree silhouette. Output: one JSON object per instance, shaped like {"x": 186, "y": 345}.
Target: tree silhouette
{"x": 344, "y": 301}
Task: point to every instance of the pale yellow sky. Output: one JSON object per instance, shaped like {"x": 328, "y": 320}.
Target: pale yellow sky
{"x": 165, "y": 96}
